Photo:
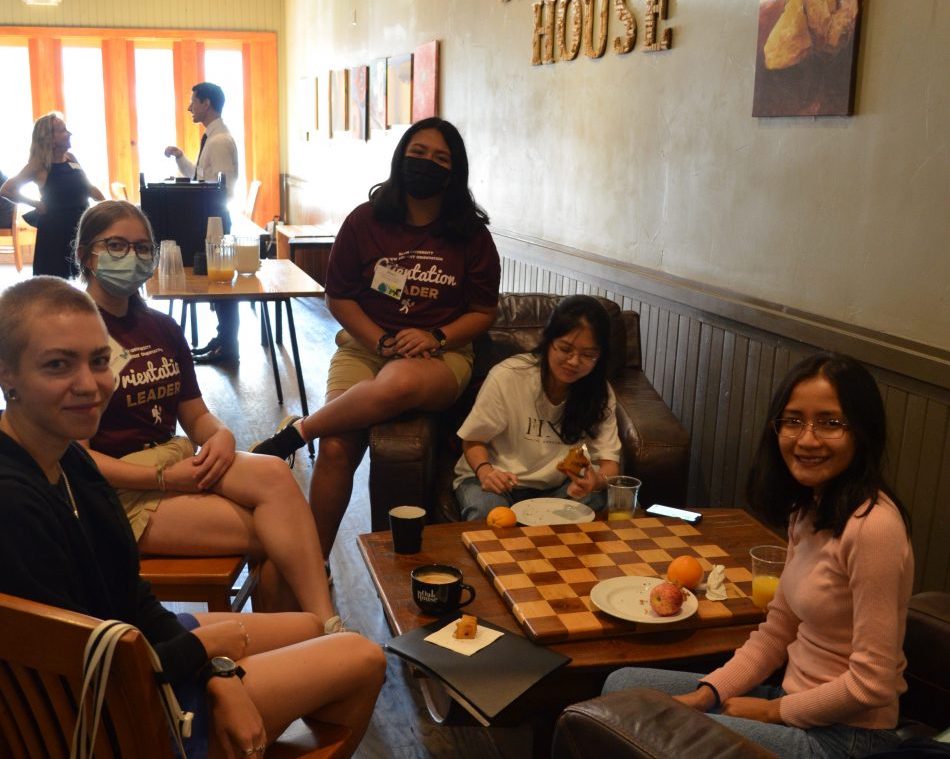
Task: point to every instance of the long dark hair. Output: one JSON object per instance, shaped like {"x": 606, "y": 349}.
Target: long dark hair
{"x": 771, "y": 488}
{"x": 460, "y": 217}
{"x": 586, "y": 403}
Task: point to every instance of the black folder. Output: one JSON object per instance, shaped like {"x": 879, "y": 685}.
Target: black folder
{"x": 487, "y": 681}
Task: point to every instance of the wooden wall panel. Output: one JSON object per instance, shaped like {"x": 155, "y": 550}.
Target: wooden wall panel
{"x": 46, "y": 80}
{"x": 188, "y": 58}
{"x": 118, "y": 80}
{"x": 256, "y": 15}
{"x": 717, "y": 375}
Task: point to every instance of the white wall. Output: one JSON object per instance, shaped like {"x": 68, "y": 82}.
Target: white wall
{"x": 655, "y": 160}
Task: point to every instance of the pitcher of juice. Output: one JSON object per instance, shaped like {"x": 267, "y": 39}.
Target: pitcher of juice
{"x": 767, "y": 565}
{"x": 220, "y": 260}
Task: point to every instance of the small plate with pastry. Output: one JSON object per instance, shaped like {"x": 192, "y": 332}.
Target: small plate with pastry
{"x": 541, "y": 511}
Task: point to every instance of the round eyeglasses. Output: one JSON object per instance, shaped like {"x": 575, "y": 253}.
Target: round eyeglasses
{"x": 824, "y": 429}
{"x": 119, "y": 247}
{"x": 567, "y": 351}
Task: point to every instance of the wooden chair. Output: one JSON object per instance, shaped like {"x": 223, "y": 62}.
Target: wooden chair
{"x": 212, "y": 579}
{"x": 41, "y": 651}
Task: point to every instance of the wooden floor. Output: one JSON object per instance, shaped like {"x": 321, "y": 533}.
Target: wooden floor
{"x": 245, "y": 399}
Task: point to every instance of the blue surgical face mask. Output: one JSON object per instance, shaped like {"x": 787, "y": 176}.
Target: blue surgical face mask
{"x": 122, "y": 277}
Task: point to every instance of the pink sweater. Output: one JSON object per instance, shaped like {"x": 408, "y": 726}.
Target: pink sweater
{"x": 838, "y": 617}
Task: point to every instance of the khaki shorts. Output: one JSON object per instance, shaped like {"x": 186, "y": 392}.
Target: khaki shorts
{"x": 139, "y": 504}
{"x": 352, "y": 363}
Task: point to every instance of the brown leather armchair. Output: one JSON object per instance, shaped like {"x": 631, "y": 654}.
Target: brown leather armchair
{"x": 412, "y": 457}
{"x": 644, "y": 723}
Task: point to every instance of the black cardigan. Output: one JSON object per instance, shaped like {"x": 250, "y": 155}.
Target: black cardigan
{"x": 89, "y": 565}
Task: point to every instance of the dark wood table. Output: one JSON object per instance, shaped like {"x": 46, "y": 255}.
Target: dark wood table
{"x": 734, "y": 530}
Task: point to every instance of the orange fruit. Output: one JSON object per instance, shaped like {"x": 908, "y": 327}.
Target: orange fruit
{"x": 502, "y": 516}
{"x": 685, "y": 570}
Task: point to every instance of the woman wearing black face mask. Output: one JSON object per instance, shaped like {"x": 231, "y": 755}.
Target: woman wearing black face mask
{"x": 413, "y": 279}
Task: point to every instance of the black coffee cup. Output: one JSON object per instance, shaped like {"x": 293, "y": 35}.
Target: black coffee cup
{"x": 437, "y": 589}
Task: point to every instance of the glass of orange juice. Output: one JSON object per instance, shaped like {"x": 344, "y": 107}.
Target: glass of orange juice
{"x": 621, "y": 497}
{"x": 220, "y": 260}
{"x": 767, "y": 565}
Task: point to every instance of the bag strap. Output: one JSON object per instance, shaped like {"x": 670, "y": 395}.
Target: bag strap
{"x": 97, "y": 662}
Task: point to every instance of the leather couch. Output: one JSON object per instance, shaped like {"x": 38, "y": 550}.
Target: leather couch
{"x": 645, "y": 723}
{"x": 412, "y": 457}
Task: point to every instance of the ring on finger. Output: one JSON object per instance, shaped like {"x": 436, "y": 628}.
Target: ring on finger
{"x": 249, "y": 751}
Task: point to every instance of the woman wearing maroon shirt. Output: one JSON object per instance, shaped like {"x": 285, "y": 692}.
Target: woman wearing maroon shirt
{"x": 216, "y": 502}
{"x": 413, "y": 279}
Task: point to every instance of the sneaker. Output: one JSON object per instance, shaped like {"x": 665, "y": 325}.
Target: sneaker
{"x": 284, "y": 443}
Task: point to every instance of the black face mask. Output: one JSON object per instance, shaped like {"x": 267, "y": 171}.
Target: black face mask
{"x": 423, "y": 178}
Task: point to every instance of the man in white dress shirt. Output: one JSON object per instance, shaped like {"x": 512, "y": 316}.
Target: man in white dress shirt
{"x": 218, "y": 154}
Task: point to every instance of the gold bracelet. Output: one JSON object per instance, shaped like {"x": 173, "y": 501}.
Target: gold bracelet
{"x": 160, "y": 476}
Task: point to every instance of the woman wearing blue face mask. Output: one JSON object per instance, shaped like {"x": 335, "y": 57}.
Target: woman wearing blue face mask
{"x": 413, "y": 279}
{"x": 215, "y": 502}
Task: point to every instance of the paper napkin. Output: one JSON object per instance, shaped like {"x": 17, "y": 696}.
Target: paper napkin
{"x": 483, "y": 636}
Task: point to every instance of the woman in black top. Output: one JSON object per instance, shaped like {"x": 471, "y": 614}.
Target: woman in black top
{"x": 65, "y": 541}
{"x": 64, "y": 192}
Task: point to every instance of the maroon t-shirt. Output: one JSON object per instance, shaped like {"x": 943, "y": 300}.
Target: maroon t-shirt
{"x": 445, "y": 278}
{"x": 153, "y": 372}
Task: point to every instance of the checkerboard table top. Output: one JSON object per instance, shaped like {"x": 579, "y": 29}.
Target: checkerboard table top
{"x": 545, "y": 574}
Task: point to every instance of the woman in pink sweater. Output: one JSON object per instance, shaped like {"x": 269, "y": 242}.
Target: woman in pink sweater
{"x": 837, "y": 620}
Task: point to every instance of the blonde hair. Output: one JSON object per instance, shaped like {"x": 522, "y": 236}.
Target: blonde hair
{"x": 41, "y": 148}
{"x": 32, "y": 299}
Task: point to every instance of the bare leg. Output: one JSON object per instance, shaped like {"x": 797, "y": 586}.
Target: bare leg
{"x": 331, "y": 483}
{"x": 416, "y": 383}
{"x": 280, "y": 527}
{"x": 290, "y": 674}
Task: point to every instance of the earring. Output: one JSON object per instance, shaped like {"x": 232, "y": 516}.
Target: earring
{"x": 10, "y": 395}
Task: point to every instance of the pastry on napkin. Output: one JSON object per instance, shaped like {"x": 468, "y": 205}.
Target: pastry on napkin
{"x": 466, "y": 646}
{"x": 716, "y": 583}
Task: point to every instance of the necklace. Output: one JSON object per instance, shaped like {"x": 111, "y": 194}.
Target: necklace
{"x": 69, "y": 492}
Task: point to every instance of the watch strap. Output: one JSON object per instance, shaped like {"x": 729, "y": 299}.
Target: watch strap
{"x": 439, "y": 335}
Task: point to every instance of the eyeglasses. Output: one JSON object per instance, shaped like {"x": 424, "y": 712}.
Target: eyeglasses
{"x": 119, "y": 247}
{"x": 567, "y": 351}
{"x": 824, "y": 429}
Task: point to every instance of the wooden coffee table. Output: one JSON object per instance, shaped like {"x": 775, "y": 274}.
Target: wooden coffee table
{"x": 592, "y": 660}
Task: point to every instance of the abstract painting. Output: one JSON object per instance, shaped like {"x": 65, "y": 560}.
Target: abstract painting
{"x": 805, "y": 58}
{"x": 399, "y": 89}
{"x": 377, "y": 95}
{"x": 338, "y": 102}
{"x": 425, "y": 81}
{"x": 359, "y": 88}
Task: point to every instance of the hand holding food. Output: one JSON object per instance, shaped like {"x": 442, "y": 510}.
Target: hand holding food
{"x": 574, "y": 462}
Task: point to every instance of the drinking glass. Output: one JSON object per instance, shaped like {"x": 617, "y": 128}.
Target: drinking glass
{"x": 220, "y": 260}
{"x": 621, "y": 497}
{"x": 767, "y": 565}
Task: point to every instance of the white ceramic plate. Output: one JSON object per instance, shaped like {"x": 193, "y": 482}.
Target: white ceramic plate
{"x": 538, "y": 511}
{"x": 629, "y": 598}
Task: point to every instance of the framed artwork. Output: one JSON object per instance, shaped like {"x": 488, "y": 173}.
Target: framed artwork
{"x": 359, "y": 89}
{"x": 377, "y": 95}
{"x": 399, "y": 89}
{"x": 806, "y": 58}
{"x": 338, "y": 102}
{"x": 425, "y": 81}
